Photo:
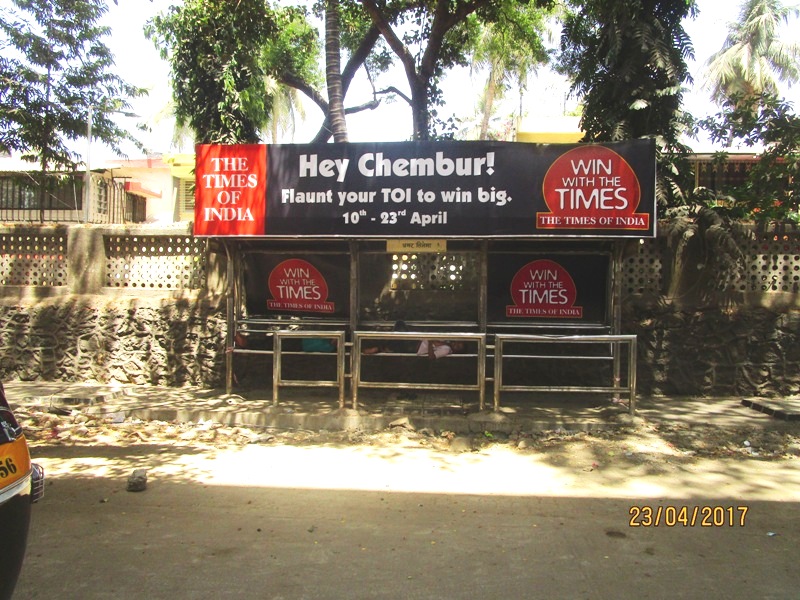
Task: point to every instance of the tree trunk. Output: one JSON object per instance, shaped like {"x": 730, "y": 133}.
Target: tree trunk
{"x": 45, "y": 144}
{"x": 333, "y": 72}
{"x": 488, "y": 103}
{"x": 419, "y": 110}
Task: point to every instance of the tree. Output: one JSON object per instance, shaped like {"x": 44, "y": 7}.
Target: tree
{"x": 430, "y": 37}
{"x": 55, "y": 71}
{"x": 224, "y": 63}
{"x": 754, "y": 58}
{"x": 771, "y": 192}
{"x": 443, "y": 35}
{"x": 333, "y": 71}
{"x": 219, "y": 84}
{"x": 627, "y": 64}
{"x": 287, "y": 107}
{"x": 362, "y": 41}
{"x": 511, "y": 48}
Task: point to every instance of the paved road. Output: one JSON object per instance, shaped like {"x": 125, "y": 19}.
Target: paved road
{"x": 203, "y": 529}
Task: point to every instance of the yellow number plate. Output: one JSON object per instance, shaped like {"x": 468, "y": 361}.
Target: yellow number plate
{"x": 15, "y": 461}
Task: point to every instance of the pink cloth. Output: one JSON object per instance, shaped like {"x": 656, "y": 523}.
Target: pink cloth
{"x": 440, "y": 349}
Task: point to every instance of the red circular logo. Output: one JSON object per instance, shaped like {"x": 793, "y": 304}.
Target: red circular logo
{"x": 590, "y": 186}
{"x": 543, "y": 284}
{"x": 297, "y": 280}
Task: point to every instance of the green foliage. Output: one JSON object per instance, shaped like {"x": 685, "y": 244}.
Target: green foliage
{"x": 708, "y": 259}
{"x": 54, "y": 67}
{"x": 514, "y": 39}
{"x": 428, "y": 38}
{"x": 627, "y": 62}
{"x": 754, "y": 56}
{"x": 294, "y": 48}
{"x": 355, "y": 25}
{"x": 510, "y": 49}
{"x": 221, "y": 53}
{"x": 772, "y": 189}
{"x": 215, "y": 48}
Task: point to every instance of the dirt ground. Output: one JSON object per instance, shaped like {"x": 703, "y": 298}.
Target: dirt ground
{"x": 400, "y": 513}
{"x": 665, "y": 459}
{"x": 640, "y": 442}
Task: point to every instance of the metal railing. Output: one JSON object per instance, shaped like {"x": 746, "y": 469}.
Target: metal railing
{"x": 499, "y": 355}
{"x": 357, "y": 354}
{"x": 278, "y": 379}
{"x": 60, "y": 199}
{"x": 615, "y": 341}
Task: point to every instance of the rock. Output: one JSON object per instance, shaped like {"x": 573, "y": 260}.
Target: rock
{"x": 137, "y": 481}
{"x": 188, "y": 436}
{"x": 403, "y": 422}
{"x": 461, "y": 444}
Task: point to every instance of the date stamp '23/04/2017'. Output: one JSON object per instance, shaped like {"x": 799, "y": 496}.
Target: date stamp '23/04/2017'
{"x": 687, "y": 516}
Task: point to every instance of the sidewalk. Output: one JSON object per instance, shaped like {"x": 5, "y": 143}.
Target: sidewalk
{"x": 316, "y": 409}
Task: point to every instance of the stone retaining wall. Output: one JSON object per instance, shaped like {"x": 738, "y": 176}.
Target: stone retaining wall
{"x": 160, "y": 342}
{"x": 752, "y": 352}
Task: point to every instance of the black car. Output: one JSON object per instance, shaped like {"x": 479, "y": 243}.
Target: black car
{"x": 21, "y": 484}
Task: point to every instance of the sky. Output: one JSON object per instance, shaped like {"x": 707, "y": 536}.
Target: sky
{"x": 138, "y": 62}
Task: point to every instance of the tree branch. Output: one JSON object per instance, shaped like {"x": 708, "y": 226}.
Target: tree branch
{"x": 395, "y": 43}
{"x": 359, "y": 56}
{"x": 393, "y": 90}
{"x": 371, "y": 105}
{"x": 444, "y": 21}
{"x": 303, "y": 86}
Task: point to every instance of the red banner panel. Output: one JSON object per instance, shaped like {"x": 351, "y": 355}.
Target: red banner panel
{"x": 311, "y": 285}
{"x": 297, "y": 285}
{"x": 230, "y": 190}
{"x": 592, "y": 188}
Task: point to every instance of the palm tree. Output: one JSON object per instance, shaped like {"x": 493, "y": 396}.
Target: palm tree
{"x": 287, "y": 106}
{"x": 627, "y": 64}
{"x": 333, "y": 72}
{"x": 753, "y": 58}
{"x": 510, "y": 49}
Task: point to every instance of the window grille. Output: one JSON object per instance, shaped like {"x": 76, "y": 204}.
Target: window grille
{"x": 431, "y": 271}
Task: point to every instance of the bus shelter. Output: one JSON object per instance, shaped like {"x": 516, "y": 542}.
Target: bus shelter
{"x": 369, "y": 263}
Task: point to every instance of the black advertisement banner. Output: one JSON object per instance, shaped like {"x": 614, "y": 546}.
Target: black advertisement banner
{"x": 301, "y": 285}
{"x": 428, "y": 189}
{"x": 552, "y": 288}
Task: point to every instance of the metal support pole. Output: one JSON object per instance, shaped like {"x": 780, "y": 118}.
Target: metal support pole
{"x": 632, "y": 355}
{"x": 230, "y": 298}
{"x": 498, "y": 371}
{"x": 276, "y": 367}
{"x": 616, "y": 308}
{"x": 87, "y": 177}
{"x": 355, "y": 368}
{"x": 355, "y": 304}
{"x": 341, "y": 366}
